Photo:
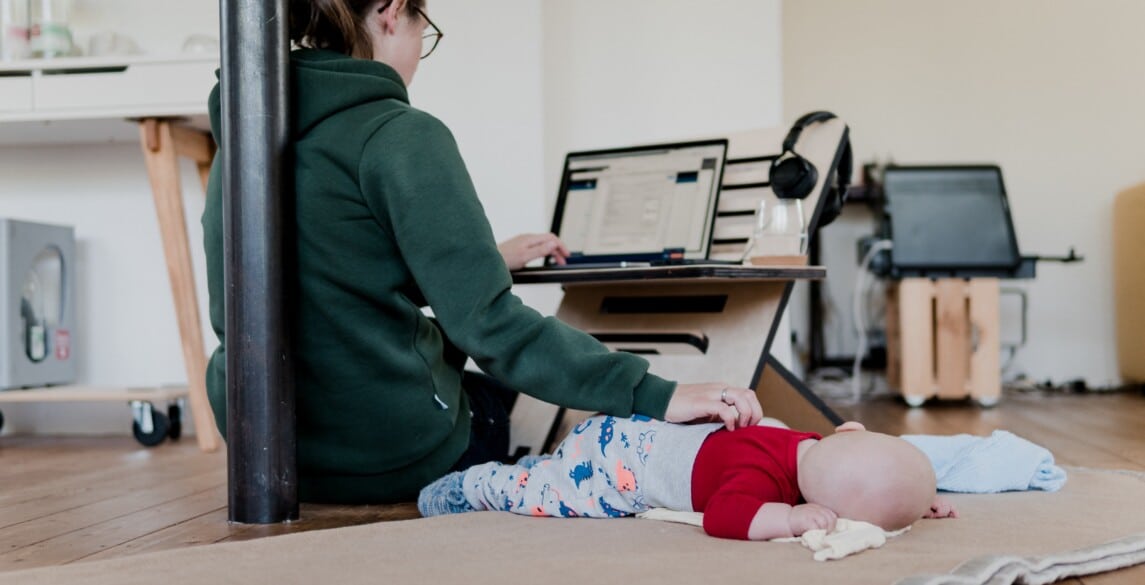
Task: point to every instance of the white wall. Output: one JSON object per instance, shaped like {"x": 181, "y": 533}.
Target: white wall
{"x": 126, "y": 334}
{"x": 519, "y": 83}
{"x": 483, "y": 81}
{"x": 624, "y": 72}
{"x": 1050, "y": 90}
{"x": 156, "y": 26}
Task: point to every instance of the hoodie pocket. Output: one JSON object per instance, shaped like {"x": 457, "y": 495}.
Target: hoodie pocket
{"x": 444, "y": 379}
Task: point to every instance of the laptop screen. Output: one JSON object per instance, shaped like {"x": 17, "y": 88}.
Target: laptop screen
{"x": 949, "y": 218}
{"x": 635, "y": 204}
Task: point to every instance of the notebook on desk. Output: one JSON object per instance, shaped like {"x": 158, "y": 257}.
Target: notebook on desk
{"x": 639, "y": 206}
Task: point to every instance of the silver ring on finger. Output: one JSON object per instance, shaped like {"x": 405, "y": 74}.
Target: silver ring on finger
{"x": 724, "y": 396}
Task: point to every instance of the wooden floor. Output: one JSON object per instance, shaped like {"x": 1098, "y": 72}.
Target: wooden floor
{"x": 64, "y": 500}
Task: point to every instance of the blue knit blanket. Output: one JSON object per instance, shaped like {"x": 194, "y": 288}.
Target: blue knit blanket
{"x": 1001, "y": 462}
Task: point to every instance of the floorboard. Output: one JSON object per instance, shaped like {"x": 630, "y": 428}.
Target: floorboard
{"x": 69, "y": 499}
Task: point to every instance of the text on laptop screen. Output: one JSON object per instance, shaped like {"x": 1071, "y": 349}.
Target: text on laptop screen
{"x": 638, "y": 202}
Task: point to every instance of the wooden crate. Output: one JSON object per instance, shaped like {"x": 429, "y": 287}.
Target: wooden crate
{"x": 942, "y": 339}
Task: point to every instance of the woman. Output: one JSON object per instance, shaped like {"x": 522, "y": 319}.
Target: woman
{"x": 387, "y": 223}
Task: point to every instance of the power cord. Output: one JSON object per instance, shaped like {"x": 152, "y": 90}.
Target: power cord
{"x": 857, "y": 315}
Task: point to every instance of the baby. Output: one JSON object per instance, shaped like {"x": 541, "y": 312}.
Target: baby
{"x": 757, "y": 482}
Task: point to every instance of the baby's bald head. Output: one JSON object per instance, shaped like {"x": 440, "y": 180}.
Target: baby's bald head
{"x": 868, "y": 476}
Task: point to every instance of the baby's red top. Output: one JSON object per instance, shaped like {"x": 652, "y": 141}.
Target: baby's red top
{"x": 738, "y": 471}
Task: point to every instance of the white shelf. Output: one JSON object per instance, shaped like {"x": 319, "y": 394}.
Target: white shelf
{"x": 40, "y": 97}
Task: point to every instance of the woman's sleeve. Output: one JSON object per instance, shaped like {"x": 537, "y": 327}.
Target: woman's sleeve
{"x": 416, "y": 184}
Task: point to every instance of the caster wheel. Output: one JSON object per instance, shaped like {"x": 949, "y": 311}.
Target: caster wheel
{"x": 158, "y": 432}
{"x": 914, "y": 401}
{"x": 175, "y": 422}
{"x": 987, "y": 401}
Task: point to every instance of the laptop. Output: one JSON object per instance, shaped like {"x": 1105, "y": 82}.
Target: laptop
{"x": 639, "y": 206}
{"x": 949, "y": 219}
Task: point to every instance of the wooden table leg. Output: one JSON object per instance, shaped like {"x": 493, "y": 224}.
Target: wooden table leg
{"x": 951, "y": 338}
{"x": 160, "y": 151}
{"x": 985, "y": 362}
{"x": 785, "y": 397}
{"x": 916, "y": 339}
{"x": 196, "y": 145}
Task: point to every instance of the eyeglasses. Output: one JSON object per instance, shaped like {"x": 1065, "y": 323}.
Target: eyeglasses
{"x": 431, "y": 38}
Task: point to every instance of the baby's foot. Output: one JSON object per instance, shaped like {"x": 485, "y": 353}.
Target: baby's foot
{"x": 443, "y": 496}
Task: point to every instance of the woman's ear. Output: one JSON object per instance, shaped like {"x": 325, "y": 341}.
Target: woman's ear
{"x": 389, "y": 16}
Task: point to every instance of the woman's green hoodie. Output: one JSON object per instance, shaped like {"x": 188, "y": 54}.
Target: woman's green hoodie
{"x": 387, "y": 222}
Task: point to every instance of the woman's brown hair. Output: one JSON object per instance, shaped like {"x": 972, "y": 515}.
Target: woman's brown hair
{"x": 337, "y": 25}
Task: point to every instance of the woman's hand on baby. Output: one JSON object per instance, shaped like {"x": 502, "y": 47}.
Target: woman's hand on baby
{"x": 806, "y": 517}
{"x": 941, "y": 508}
{"x": 735, "y": 407}
{"x": 525, "y": 248}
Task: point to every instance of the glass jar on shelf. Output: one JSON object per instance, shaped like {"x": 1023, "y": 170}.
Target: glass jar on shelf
{"x": 50, "y": 35}
{"x": 14, "y": 29}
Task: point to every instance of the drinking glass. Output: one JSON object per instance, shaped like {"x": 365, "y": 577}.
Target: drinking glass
{"x": 778, "y": 229}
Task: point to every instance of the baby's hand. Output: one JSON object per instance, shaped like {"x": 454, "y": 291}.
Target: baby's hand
{"x": 850, "y": 425}
{"x": 941, "y": 508}
{"x": 806, "y": 517}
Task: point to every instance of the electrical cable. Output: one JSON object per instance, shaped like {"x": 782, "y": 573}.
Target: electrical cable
{"x": 857, "y": 316}
{"x": 832, "y": 315}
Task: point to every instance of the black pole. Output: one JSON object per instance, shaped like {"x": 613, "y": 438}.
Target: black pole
{"x": 815, "y": 312}
{"x": 258, "y": 193}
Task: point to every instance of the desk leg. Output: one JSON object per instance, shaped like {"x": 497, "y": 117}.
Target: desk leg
{"x": 787, "y": 398}
{"x": 985, "y": 363}
{"x": 196, "y": 145}
{"x": 160, "y": 153}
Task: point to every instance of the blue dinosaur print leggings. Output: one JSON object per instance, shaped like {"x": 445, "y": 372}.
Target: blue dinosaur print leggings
{"x": 596, "y": 472}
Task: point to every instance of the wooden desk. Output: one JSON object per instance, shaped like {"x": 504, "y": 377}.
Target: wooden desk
{"x": 702, "y": 323}
{"x": 693, "y": 323}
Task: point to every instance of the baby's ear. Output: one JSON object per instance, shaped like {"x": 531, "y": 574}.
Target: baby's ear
{"x": 850, "y": 426}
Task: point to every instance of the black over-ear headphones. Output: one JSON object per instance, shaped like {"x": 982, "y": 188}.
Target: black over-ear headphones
{"x": 794, "y": 177}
